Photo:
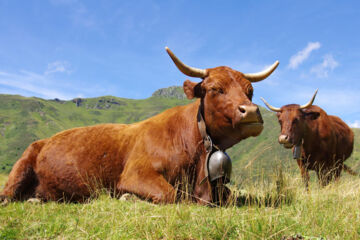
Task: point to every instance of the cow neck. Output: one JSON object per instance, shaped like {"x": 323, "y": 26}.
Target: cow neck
{"x": 208, "y": 144}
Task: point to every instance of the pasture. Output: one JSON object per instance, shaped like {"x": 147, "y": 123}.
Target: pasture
{"x": 265, "y": 210}
{"x": 66, "y": 137}
{"x": 270, "y": 205}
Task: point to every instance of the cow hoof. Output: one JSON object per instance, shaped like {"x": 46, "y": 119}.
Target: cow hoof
{"x": 34, "y": 200}
{"x": 4, "y": 201}
{"x": 129, "y": 197}
{"x": 296, "y": 237}
{"x": 125, "y": 197}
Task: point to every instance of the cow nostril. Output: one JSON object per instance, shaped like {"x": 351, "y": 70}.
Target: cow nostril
{"x": 242, "y": 109}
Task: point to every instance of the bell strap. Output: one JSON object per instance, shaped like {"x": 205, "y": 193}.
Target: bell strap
{"x": 207, "y": 142}
{"x": 202, "y": 129}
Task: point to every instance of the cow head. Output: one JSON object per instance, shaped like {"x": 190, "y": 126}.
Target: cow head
{"x": 226, "y": 101}
{"x": 293, "y": 119}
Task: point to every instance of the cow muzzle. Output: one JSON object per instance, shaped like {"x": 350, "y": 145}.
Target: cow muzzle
{"x": 249, "y": 120}
{"x": 284, "y": 139}
{"x": 250, "y": 114}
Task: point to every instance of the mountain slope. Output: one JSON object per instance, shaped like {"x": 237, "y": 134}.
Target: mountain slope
{"x": 24, "y": 120}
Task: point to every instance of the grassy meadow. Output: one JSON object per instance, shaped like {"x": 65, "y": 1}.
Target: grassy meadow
{"x": 269, "y": 198}
{"x": 264, "y": 210}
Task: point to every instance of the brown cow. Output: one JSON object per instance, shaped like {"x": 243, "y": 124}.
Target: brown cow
{"x": 320, "y": 142}
{"x": 148, "y": 158}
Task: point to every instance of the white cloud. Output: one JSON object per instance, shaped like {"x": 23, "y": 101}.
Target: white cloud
{"x": 321, "y": 70}
{"x": 302, "y": 55}
{"x": 31, "y": 82}
{"x": 44, "y": 85}
{"x": 355, "y": 124}
{"x": 58, "y": 66}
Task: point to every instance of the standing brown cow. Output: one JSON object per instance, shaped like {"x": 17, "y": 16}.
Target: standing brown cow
{"x": 148, "y": 158}
{"x": 320, "y": 142}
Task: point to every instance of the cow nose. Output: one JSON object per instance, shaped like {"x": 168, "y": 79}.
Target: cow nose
{"x": 283, "y": 139}
{"x": 250, "y": 114}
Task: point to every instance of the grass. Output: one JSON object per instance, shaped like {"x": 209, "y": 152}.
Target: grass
{"x": 332, "y": 213}
{"x": 268, "y": 205}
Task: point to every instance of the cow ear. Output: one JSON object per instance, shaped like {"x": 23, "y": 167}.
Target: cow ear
{"x": 192, "y": 89}
{"x": 311, "y": 115}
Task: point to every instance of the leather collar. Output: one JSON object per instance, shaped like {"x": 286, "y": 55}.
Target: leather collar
{"x": 202, "y": 129}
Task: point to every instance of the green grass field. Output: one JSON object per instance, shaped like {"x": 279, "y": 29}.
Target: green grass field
{"x": 331, "y": 213}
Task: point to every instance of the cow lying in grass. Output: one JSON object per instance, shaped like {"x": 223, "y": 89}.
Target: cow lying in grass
{"x": 148, "y": 158}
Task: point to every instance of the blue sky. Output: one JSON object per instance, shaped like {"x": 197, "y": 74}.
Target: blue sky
{"x": 73, "y": 48}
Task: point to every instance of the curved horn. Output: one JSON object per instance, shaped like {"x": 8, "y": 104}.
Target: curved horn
{"x": 274, "y": 109}
{"x": 185, "y": 69}
{"x": 310, "y": 102}
{"x": 256, "y": 77}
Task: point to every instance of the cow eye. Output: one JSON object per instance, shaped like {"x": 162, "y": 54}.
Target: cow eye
{"x": 295, "y": 121}
{"x": 217, "y": 90}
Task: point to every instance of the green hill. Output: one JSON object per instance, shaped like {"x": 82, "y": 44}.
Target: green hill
{"x": 24, "y": 120}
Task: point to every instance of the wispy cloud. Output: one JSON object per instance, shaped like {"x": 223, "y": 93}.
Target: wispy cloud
{"x": 302, "y": 55}
{"x": 355, "y": 124}
{"x": 43, "y": 85}
{"x": 58, "y": 66}
{"x": 32, "y": 83}
{"x": 321, "y": 70}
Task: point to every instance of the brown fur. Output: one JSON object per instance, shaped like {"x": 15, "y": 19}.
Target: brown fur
{"x": 147, "y": 158}
{"x": 326, "y": 140}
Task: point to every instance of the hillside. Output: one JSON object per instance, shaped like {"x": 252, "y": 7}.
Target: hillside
{"x": 24, "y": 120}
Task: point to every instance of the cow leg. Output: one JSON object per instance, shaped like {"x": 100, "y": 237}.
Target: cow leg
{"x": 152, "y": 187}
{"x": 337, "y": 172}
{"x": 45, "y": 193}
{"x": 221, "y": 193}
{"x": 304, "y": 173}
{"x": 324, "y": 176}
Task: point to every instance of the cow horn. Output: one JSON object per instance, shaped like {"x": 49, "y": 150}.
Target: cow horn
{"x": 256, "y": 77}
{"x": 310, "y": 102}
{"x": 185, "y": 69}
{"x": 275, "y": 109}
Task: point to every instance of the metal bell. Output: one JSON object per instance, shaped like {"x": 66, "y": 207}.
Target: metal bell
{"x": 219, "y": 165}
{"x": 297, "y": 152}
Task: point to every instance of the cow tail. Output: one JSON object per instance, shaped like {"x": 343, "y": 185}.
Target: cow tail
{"x": 350, "y": 171}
